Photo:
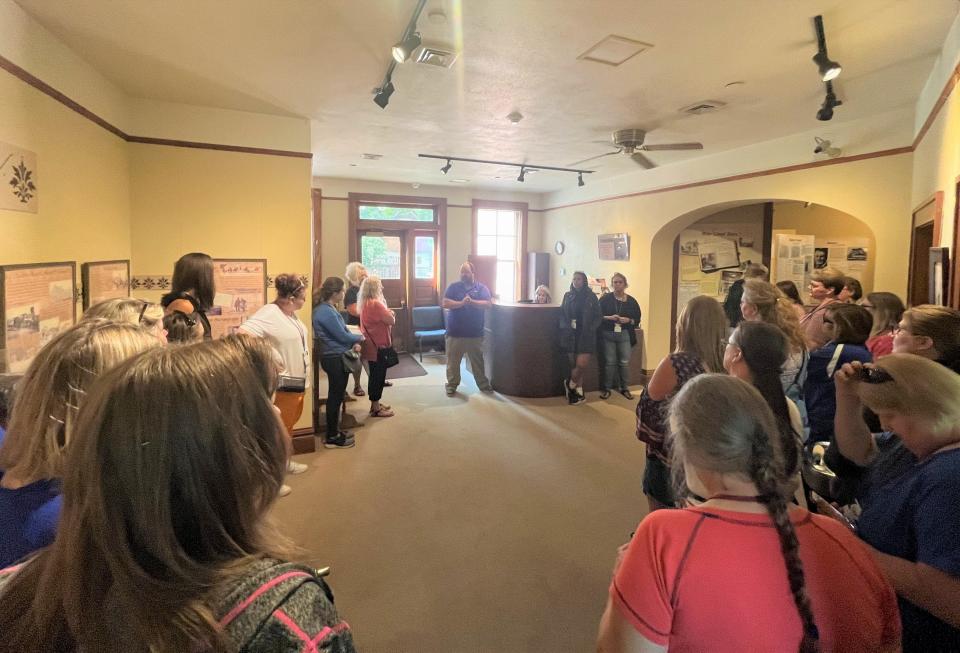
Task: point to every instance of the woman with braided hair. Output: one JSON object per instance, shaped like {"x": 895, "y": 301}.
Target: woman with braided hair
{"x": 711, "y": 577}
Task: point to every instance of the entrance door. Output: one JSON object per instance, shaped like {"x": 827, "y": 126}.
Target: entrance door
{"x": 425, "y": 268}
{"x": 383, "y": 253}
{"x": 920, "y": 264}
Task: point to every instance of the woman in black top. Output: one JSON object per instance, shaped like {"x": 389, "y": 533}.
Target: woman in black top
{"x": 578, "y": 332}
{"x": 621, "y": 316}
{"x": 192, "y": 289}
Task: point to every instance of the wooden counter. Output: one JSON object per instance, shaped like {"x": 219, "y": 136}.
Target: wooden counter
{"x": 524, "y": 352}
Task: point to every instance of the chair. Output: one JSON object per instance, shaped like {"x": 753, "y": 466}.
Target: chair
{"x": 427, "y": 323}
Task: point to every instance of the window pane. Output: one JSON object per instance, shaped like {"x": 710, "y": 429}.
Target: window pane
{"x": 393, "y": 213}
{"x": 506, "y": 281}
{"x": 506, "y": 248}
{"x": 381, "y": 255}
{"x": 506, "y": 223}
{"x": 423, "y": 246}
{"x": 487, "y": 245}
{"x": 487, "y": 222}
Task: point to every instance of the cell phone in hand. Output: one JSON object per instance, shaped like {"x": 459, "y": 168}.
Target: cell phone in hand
{"x": 827, "y": 509}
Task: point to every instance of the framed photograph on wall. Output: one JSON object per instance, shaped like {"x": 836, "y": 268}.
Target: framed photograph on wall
{"x": 939, "y": 276}
{"x": 37, "y": 301}
{"x": 613, "y": 247}
{"x": 102, "y": 280}
{"x": 241, "y": 285}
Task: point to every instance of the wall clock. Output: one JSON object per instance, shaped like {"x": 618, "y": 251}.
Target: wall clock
{"x": 559, "y": 247}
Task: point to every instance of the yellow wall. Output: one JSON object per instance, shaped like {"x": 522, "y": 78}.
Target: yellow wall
{"x": 226, "y": 204}
{"x": 876, "y": 191}
{"x": 83, "y": 184}
{"x": 459, "y": 219}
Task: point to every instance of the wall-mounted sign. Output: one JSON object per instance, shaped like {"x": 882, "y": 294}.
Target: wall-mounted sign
{"x": 104, "y": 280}
{"x": 37, "y": 302}
{"x": 613, "y": 247}
{"x": 241, "y": 290}
{"x": 18, "y": 179}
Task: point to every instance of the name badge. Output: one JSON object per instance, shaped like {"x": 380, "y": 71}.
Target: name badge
{"x": 573, "y": 324}
{"x": 617, "y": 328}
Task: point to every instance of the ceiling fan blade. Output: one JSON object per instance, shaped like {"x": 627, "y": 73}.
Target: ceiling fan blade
{"x": 640, "y": 159}
{"x": 599, "y": 156}
{"x": 673, "y": 146}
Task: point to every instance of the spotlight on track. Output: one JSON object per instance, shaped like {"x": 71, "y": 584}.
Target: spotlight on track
{"x": 830, "y": 102}
{"x": 827, "y": 67}
{"x": 523, "y": 172}
{"x": 382, "y": 97}
{"x": 402, "y": 50}
{"x": 445, "y": 169}
{"x": 580, "y": 179}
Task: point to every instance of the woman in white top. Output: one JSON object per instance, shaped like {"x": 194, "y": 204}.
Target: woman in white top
{"x": 279, "y": 325}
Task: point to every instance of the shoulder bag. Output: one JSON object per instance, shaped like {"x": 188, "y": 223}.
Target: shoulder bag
{"x": 386, "y": 356}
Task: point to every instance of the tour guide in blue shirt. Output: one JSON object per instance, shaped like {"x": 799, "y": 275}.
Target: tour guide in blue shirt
{"x": 466, "y": 300}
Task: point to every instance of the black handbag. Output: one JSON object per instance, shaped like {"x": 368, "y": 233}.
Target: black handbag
{"x": 386, "y": 356}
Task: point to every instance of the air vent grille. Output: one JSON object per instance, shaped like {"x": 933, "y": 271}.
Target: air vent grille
{"x": 435, "y": 55}
{"x": 702, "y": 107}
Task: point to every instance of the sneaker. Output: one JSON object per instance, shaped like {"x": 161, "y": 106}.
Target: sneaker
{"x": 605, "y": 394}
{"x": 339, "y": 442}
{"x": 296, "y": 468}
{"x": 577, "y": 399}
{"x": 285, "y": 490}
{"x": 451, "y": 391}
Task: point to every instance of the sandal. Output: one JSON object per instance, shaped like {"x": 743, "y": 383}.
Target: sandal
{"x": 383, "y": 412}
{"x": 358, "y": 391}
{"x": 626, "y": 393}
{"x": 605, "y": 394}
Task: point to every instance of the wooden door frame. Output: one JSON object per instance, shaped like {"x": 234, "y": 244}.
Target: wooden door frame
{"x": 523, "y": 208}
{"x": 403, "y": 235}
{"x": 937, "y": 200}
{"x": 954, "y": 300}
{"x": 411, "y": 237}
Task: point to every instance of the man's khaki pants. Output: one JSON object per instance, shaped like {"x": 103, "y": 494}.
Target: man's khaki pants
{"x": 473, "y": 348}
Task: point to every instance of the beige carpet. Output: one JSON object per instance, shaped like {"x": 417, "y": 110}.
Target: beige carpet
{"x": 473, "y": 523}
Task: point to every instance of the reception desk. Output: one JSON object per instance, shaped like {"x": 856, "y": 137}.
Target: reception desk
{"x": 524, "y": 352}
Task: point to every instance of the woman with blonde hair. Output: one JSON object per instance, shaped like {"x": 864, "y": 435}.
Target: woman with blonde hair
{"x": 764, "y": 302}
{"x": 165, "y": 543}
{"x": 932, "y": 332}
{"x": 743, "y": 570}
{"x": 135, "y": 311}
{"x": 701, "y": 341}
{"x": 911, "y": 515}
{"x": 542, "y": 295}
{"x": 354, "y": 274}
{"x": 887, "y": 310}
{"x": 43, "y": 423}
{"x": 376, "y": 324}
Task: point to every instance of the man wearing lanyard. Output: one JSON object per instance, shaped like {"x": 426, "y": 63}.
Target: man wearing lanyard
{"x": 466, "y": 300}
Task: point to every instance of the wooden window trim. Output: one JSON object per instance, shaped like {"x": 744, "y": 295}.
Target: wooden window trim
{"x": 523, "y": 208}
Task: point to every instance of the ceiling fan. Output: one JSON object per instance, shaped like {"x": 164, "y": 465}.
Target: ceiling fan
{"x": 630, "y": 142}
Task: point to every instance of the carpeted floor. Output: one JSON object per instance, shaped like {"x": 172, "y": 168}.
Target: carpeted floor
{"x": 474, "y": 523}
{"x": 407, "y": 367}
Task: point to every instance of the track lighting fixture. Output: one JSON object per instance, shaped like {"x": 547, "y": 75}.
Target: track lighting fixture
{"x": 830, "y": 102}
{"x": 403, "y": 49}
{"x": 579, "y": 179}
{"x": 523, "y": 172}
{"x": 445, "y": 169}
{"x": 828, "y": 68}
{"x": 525, "y": 168}
{"x": 382, "y": 97}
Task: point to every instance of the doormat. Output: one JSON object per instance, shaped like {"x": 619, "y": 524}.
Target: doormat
{"x": 407, "y": 367}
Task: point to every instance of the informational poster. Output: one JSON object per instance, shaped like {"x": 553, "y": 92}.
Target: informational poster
{"x": 241, "y": 290}
{"x": 104, "y": 280}
{"x": 613, "y": 247}
{"x": 37, "y": 302}
{"x": 712, "y": 256}
{"x": 794, "y": 259}
{"x": 18, "y": 179}
{"x": 718, "y": 253}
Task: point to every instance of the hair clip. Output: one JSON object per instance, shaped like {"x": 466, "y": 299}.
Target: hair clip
{"x": 58, "y": 421}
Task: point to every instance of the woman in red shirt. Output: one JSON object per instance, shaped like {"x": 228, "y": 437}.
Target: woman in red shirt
{"x": 886, "y": 309}
{"x": 376, "y": 325}
{"x": 743, "y": 570}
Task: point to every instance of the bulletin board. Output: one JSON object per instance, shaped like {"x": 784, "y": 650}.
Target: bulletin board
{"x": 37, "y": 302}
{"x": 241, "y": 290}
{"x": 102, "y": 280}
{"x": 712, "y": 256}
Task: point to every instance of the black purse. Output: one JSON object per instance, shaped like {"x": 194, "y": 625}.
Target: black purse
{"x": 386, "y": 356}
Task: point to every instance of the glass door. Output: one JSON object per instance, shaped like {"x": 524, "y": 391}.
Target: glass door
{"x": 383, "y": 253}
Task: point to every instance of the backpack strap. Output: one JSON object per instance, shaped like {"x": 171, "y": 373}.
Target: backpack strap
{"x": 832, "y": 365}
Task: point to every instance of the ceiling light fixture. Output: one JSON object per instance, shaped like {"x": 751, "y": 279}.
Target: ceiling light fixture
{"x": 828, "y": 68}
{"x": 382, "y": 97}
{"x": 824, "y": 147}
{"x": 525, "y": 168}
{"x": 402, "y": 50}
{"x": 445, "y": 169}
{"x": 830, "y": 102}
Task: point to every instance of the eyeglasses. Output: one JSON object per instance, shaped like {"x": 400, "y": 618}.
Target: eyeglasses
{"x": 143, "y": 309}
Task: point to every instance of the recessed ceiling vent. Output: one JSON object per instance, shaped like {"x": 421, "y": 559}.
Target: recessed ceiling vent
{"x": 614, "y": 50}
{"x": 432, "y": 54}
{"x": 704, "y": 106}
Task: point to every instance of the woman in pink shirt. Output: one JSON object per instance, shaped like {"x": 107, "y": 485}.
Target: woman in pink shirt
{"x": 376, "y": 325}
{"x": 743, "y": 570}
{"x": 825, "y": 286}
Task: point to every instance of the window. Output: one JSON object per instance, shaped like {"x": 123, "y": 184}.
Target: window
{"x": 381, "y": 255}
{"x": 498, "y": 235}
{"x": 396, "y": 213}
{"x": 424, "y": 253}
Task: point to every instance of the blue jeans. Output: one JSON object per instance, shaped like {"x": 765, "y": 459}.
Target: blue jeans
{"x": 616, "y": 350}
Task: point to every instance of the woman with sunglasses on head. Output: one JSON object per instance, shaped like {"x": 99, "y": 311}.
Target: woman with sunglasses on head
{"x": 848, "y": 326}
{"x": 135, "y": 311}
{"x": 278, "y": 323}
{"x": 887, "y": 310}
{"x": 911, "y": 511}
{"x": 182, "y": 328}
{"x": 43, "y": 423}
{"x": 165, "y": 543}
{"x": 744, "y": 570}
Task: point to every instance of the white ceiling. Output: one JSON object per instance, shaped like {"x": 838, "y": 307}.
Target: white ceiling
{"x": 320, "y": 59}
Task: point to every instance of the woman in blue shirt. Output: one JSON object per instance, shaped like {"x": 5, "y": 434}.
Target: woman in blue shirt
{"x": 849, "y": 327}
{"x": 40, "y": 429}
{"x": 911, "y": 520}
{"x": 335, "y": 341}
